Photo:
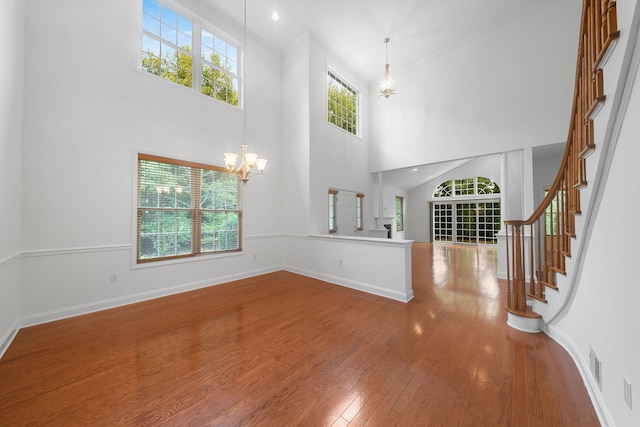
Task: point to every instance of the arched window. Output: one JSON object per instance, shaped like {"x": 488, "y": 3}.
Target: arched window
{"x": 466, "y": 187}
{"x": 486, "y": 186}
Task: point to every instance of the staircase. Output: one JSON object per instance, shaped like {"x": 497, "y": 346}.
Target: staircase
{"x": 539, "y": 249}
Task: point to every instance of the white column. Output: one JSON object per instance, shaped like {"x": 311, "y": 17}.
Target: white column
{"x": 527, "y": 182}
{"x": 504, "y": 186}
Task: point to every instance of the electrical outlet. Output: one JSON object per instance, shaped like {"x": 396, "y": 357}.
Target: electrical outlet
{"x": 340, "y": 262}
{"x": 114, "y": 277}
{"x": 627, "y": 392}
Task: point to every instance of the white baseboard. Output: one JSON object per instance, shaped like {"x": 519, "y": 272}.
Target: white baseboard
{"x": 8, "y": 337}
{"x": 583, "y": 367}
{"x": 352, "y": 284}
{"x": 78, "y": 310}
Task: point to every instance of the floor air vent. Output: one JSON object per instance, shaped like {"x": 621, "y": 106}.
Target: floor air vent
{"x": 596, "y": 367}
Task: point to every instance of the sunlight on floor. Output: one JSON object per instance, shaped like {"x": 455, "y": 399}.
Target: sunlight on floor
{"x": 471, "y": 287}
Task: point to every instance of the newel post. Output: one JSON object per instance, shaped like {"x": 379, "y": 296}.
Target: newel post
{"x": 517, "y": 300}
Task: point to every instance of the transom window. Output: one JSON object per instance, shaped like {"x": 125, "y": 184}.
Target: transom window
{"x": 183, "y": 51}
{"x": 466, "y": 187}
{"x": 342, "y": 104}
{"x": 186, "y": 209}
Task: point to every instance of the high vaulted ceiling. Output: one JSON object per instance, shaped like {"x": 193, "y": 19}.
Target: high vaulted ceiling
{"x": 354, "y": 30}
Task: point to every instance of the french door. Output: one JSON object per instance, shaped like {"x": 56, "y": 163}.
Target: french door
{"x": 467, "y": 222}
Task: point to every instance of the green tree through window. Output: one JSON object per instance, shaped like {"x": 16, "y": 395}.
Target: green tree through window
{"x": 399, "y": 213}
{"x": 342, "y": 104}
{"x": 185, "y": 209}
{"x": 168, "y": 52}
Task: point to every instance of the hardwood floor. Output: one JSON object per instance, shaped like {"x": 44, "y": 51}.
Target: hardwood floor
{"x": 282, "y": 350}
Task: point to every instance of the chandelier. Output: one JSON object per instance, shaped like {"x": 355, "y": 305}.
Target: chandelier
{"x": 249, "y": 161}
{"x": 388, "y": 83}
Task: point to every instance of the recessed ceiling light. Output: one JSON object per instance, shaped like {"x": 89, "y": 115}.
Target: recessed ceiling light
{"x": 275, "y": 16}
{"x": 414, "y": 170}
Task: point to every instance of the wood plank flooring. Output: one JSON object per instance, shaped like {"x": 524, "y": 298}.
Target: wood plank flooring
{"x": 284, "y": 350}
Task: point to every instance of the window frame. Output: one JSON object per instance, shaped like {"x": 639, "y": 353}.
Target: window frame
{"x": 332, "y": 73}
{"x": 195, "y": 209}
{"x": 460, "y": 188}
{"x": 198, "y": 24}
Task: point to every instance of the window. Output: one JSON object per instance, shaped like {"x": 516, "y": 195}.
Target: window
{"x": 473, "y": 217}
{"x": 359, "y": 205}
{"x": 399, "y": 213}
{"x": 442, "y": 222}
{"x": 219, "y": 68}
{"x": 333, "y": 204}
{"x": 181, "y": 50}
{"x": 342, "y": 104}
{"x": 186, "y": 209}
{"x": 486, "y": 186}
{"x": 466, "y": 187}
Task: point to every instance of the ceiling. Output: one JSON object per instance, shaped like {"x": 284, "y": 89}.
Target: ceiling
{"x": 407, "y": 178}
{"x": 354, "y": 30}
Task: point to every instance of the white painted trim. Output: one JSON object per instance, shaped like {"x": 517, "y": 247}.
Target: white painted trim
{"x": 604, "y": 416}
{"x": 264, "y": 236}
{"x": 8, "y": 337}
{"x": 524, "y": 324}
{"x": 75, "y": 251}
{"x": 78, "y": 310}
{"x": 352, "y": 284}
{"x": 13, "y": 258}
{"x": 376, "y": 241}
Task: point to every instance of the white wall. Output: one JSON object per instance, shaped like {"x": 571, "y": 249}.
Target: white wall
{"x": 88, "y": 108}
{"x": 546, "y": 164}
{"x": 503, "y": 90}
{"x": 378, "y": 266}
{"x": 295, "y": 123}
{"x": 11, "y": 92}
{"x": 338, "y": 159}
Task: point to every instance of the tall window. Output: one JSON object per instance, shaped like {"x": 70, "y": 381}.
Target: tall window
{"x": 442, "y": 222}
{"x": 181, "y": 50}
{"x": 399, "y": 213}
{"x": 342, "y": 104}
{"x": 219, "y": 68}
{"x": 186, "y": 209}
{"x": 359, "y": 206}
{"x": 333, "y": 207}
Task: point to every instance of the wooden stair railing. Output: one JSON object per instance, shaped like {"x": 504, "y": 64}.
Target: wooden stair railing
{"x": 532, "y": 266}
